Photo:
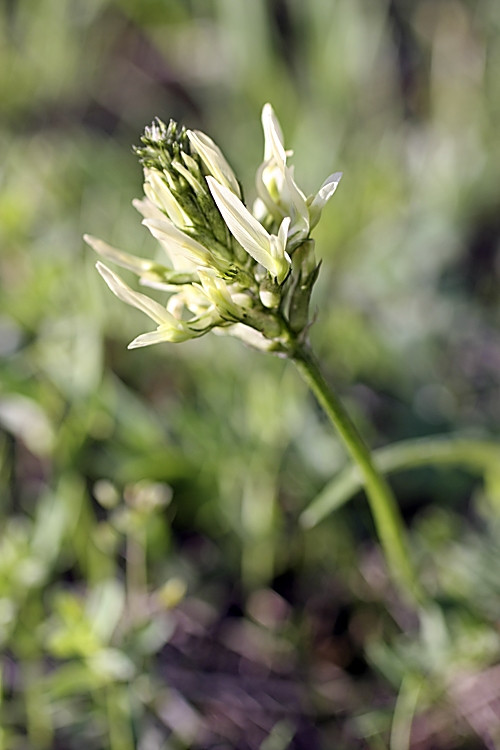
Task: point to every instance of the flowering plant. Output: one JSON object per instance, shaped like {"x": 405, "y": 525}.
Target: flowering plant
{"x": 244, "y": 273}
{"x": 247, "y": 274}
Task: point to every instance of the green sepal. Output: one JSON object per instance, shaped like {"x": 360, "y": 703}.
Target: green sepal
{"x": 305, "y": 273}
{"x": 179, "y": 278}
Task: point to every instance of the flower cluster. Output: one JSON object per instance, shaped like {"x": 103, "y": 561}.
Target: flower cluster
{"x": 229, "y": 270}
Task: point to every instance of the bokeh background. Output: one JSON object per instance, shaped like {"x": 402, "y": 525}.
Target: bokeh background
{"x": 156, "y": 588}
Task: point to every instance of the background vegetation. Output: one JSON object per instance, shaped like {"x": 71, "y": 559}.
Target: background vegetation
{"x": 156, "y": 588}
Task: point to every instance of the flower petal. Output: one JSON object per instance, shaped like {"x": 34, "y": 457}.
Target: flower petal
{"x": 147, "y": 209}
{"x": 265, "y": 188}
{"x": 283, "y": 232}
{"x": 298, "y": 206}
{"x": 214, "y": 160}
{"x": 326, "y": 191}
{"x": 126, "y": 294}
{"x": 162, "y": 334}
{"x": 282, "y": 260}
{"x": 167, "y": 232}
{"x": 323, "y": 196}
{"x": 159, "y": 194}
{"x": 273, "y": 135}
{"x": 248, "y": 335}
{"x": 248, "y": 232}
{"x": 139, "y": 266}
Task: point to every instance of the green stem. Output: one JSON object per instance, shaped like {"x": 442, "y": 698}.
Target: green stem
{"x": 476, "y": 456}
{"x": 383, "y": 505}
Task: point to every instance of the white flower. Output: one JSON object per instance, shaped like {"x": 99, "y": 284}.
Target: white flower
{"x": 214, "y": 160}
{"x": 318, "y": 201}
{"x": 159, "y": 194}
{"x": 267, "y": 249}
{"x": 190, "y": 299}
{"x": 169, "y": 328}
{"x": 178, "y": 243}
{"x": 217, "y": 292}
{"x": 147, "y": 209}
{"x": 213, "y": 243}
{"x": 148, "y": 270}
{"x": 276, "y": 186}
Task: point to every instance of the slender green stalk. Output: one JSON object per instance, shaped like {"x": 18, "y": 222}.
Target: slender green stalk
{"x": 383, "y": 505}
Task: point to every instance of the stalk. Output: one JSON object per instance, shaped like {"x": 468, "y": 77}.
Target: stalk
{"x": 383, "y": 505}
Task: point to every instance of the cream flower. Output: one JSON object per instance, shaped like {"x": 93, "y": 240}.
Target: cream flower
{"x": 276, "y": 186}
{"x": 267, "y": 249}
{"x": 180, "y": 243}
{"x": 217, "y": 291}
{"x": 141, "y": 266}
{"x": 151, "y": 273}
{"x": 159, "y": 194}
{"x": 213, "y": 159}
{"x": 169, "y": 328}
{"x": 217, "y": 250}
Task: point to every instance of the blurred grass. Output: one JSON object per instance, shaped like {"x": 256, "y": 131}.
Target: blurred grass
{"x": 404, "y": 98}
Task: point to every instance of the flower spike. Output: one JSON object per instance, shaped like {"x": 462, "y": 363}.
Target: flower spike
{"x": 218, "y": 252}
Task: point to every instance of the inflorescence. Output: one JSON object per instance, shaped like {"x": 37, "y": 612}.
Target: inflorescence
{"x": 247, "y": 274}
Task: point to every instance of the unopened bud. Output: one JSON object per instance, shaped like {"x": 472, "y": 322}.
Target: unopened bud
{"x": 270, "y": 293}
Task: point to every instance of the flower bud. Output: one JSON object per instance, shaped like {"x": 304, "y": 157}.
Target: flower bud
{"x": 270, "y": 293}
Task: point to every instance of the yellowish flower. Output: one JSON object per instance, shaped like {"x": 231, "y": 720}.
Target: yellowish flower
{"x": 278, "y": 192}
{"x": 213, "y": 159}
{"x": 169, "y": 328}
{"x": 180, "y": 243}
{"x": 267, "y": 249}
{"x": 159, "y": 194}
